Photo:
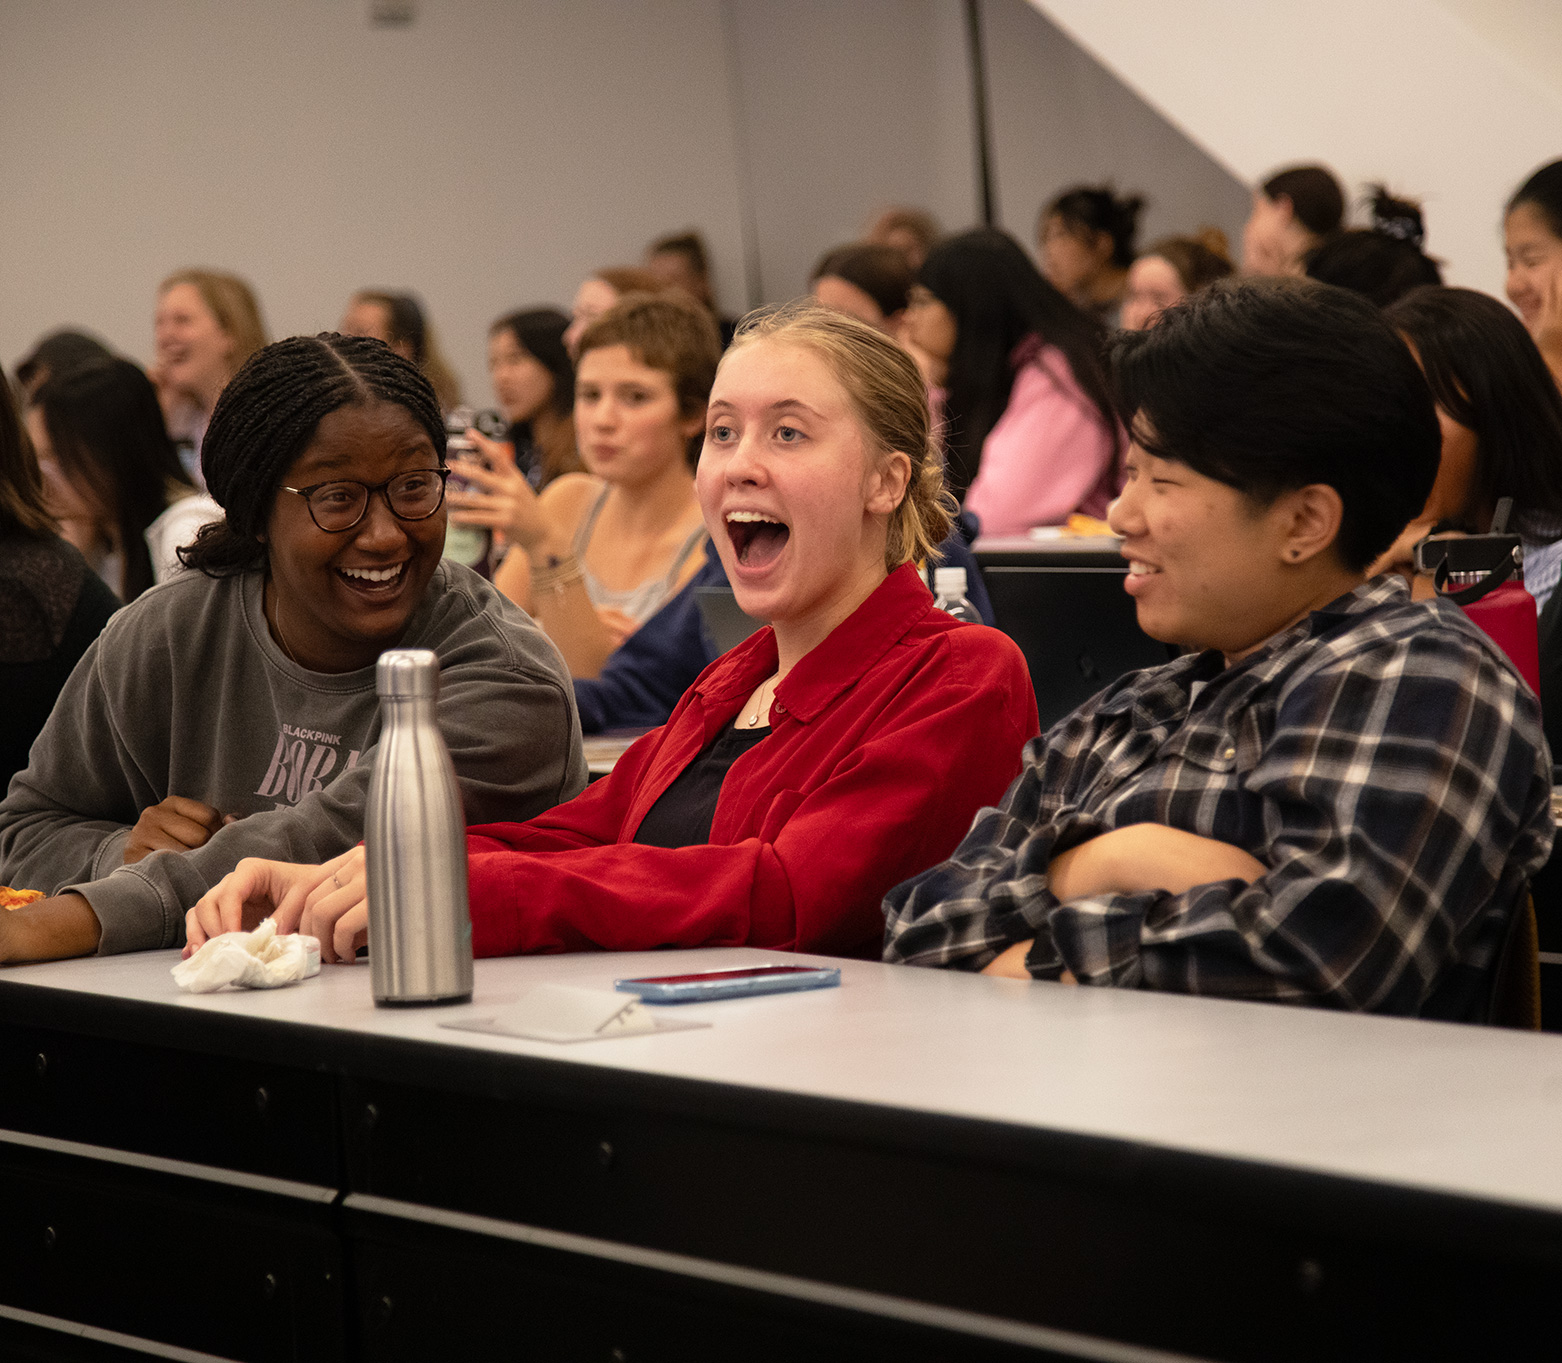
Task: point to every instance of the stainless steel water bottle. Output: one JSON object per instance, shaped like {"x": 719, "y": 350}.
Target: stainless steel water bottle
{"x": 420, "y": 932}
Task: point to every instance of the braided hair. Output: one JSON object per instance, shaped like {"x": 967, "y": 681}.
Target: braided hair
{"x": 266, "y": 418}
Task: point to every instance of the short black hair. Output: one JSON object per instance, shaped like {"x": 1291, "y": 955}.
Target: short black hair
{"x": 268, "y": 414}
{"x": 1275, "y": 384}
{"x": 881, "y": 272}
{"x": 1088, "y": 209}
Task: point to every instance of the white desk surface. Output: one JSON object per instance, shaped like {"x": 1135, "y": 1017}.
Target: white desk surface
{"x": 1453, "y": 1109}
{"x": 1059, "y": 543}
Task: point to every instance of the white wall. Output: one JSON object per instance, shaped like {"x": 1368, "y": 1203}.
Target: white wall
{"x": 1425, "y": 95}
{"x": 1060, "y": 118}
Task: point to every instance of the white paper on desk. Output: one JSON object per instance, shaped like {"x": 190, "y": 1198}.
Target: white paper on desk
{"x": 251, "y": 960}
{"x": 566, "y": 1012}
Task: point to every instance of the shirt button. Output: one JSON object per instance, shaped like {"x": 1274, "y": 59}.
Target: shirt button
{"x": 779, "y": 708}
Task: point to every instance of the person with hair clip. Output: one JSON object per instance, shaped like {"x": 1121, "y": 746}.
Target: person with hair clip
{"x": 1337, "y": 796}
{"x": 115, "y": 483}
{"x": 1172, "y": 269}
{"x": 1532, "y": 241}
{"x": 808, "y": 769}
{"x": 534, "y": 383}
{"x": 1294, "y": 212}
{"x": 1086, "y": 240}
{"x": 601, "y": 290}
{"x": 869, "y": 282}
{"x": 596, "y": 554}
{"x": 207, "y": 324}
{"x": 1383, "y": 262}
{"x": 232, "y": 712}
{"x": 51, "y": 605}
{"x": 1501, "y": 421}
{"x": 399, "y": 320}
{"x": 1029, "y": 430}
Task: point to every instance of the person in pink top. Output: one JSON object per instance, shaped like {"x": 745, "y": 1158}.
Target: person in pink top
{"x": 1030, "y": 434}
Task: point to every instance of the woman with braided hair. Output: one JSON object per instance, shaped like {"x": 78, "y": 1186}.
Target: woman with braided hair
{"x": 231, "y": 712}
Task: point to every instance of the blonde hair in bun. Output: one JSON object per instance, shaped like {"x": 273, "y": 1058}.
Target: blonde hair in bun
{"x": 887, "y": 393}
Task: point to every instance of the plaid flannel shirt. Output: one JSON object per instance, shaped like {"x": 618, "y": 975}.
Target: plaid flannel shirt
{"x": 1380, "y": 758}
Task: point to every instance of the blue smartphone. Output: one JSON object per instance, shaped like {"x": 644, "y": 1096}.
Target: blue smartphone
{"x": 731, "y": 984}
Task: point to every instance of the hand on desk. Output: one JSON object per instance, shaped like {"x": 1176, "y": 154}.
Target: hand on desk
{"x": 329, "y": 902}
{"x": 1134, "y": 860}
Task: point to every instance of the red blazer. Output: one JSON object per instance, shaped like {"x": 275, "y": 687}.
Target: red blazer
{"x": 886, "y": 739}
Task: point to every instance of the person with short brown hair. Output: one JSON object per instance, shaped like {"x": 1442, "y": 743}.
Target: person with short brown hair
{"x": 596, "y": 554}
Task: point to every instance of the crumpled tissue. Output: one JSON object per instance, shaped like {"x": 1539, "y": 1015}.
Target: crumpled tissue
{"x": 250, "y": 960}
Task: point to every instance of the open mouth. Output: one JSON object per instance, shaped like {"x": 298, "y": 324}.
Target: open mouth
{"x": 1138, "y": 569}
{"x": 375, "y": 582}
{"x": 757, "y": 540}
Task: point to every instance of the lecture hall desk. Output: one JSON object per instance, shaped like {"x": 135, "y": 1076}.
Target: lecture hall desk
{"x": 917, "y": 1165}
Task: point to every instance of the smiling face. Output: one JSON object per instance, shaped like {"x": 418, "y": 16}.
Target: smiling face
{"x": 1208, "y": 567}
{"x": 627, "y": 420}
{"x": 337, "y": 601}
{"x": 1534, "y": 260}
{"x": 1153, "y": 286}
{"x": 796, "y": 499}
{"x": 194, "y": 353}
{"x": 522, "y": 383}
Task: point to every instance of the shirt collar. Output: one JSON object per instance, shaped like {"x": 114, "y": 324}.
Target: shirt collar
{"x": 847, "y": 653}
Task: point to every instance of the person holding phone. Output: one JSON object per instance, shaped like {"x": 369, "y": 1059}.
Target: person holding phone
{"x": 232, "y": 711}
{"x": 811, "y": 767}
{"x": 596, "y": 554}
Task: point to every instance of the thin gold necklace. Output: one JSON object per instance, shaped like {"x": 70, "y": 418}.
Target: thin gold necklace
{"x": 276, "y": 619}
{"x": 759, "y": 709}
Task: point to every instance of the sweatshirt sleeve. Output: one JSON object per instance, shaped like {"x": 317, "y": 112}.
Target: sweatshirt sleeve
{"x": 813, "y": 877}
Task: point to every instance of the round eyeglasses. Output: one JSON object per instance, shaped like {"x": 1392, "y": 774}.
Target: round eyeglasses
{"x": 337, "y": 506}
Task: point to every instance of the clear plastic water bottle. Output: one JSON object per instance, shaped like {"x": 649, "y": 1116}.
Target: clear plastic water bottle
{"x": 949, "y": 595}
{"x": 420, "y": 930}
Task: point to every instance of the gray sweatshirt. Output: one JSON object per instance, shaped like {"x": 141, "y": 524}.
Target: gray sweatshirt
{"x": 185, "y": 693}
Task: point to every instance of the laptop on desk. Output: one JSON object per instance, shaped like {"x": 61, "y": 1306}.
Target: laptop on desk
{"x": 1066, "y": 609}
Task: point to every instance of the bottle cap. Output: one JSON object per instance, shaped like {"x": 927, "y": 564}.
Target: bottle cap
{"x": 407, "y": 672}
{"x": 949, "y": 581}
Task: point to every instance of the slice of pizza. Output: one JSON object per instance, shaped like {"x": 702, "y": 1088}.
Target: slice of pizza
{"x": 14, "y": 899}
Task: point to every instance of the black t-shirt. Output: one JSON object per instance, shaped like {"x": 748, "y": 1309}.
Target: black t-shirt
{"x": 682, "y": 816}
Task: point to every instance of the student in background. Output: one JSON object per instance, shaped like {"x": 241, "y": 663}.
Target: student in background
{"x": 596, "y": 554}
{"x": 1086, "y": 240}
{"x": 1294, "y": 212}
{"x": 51, "y": 605}
{"x": 682, "y": 261}
{"x": 534, "y": 385}
{"x": 911, "y": 231}
{"x": 598, "y": 292}
{"x": 1532, "y": 239}
{"x": 1383, "y": 262}
{"x": 1501, "y": 420}
{"x": 232, "y": 712}
{"x": 54, "y": 354}
{"x": 398, "y": 319}
{"x": 1172, "y": 269}
{"x": 1339, "y": 797}
{"x": 807, "y": 769}
{"x": 114, "y": 482}
{"x": 1030, "y": 433}
{"x": 206, "y": 325}
{"x": 868, "y": 282}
